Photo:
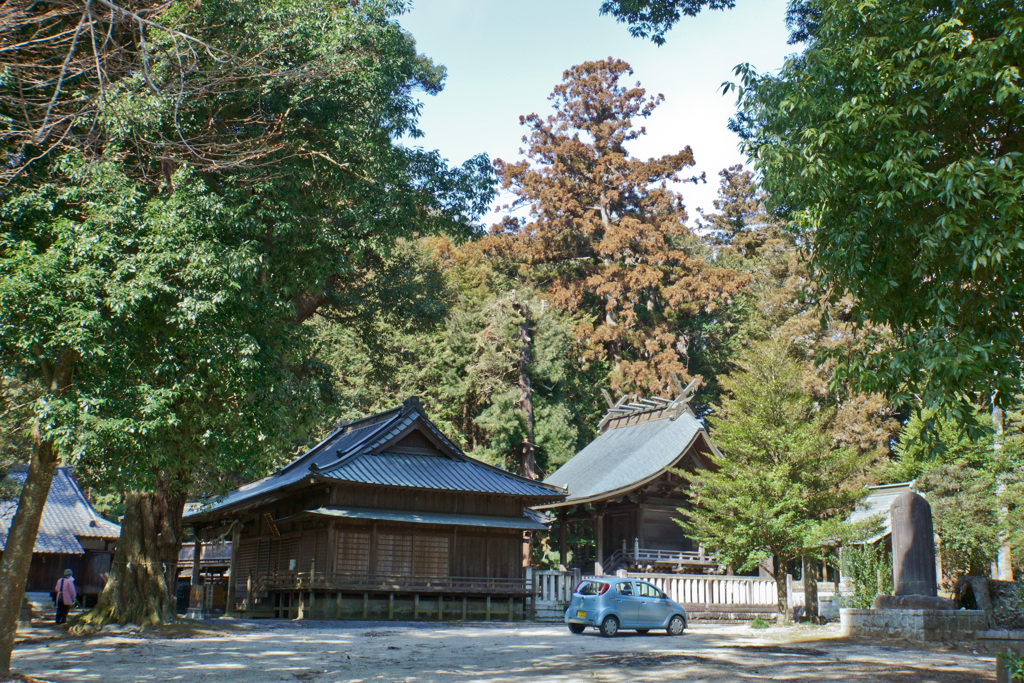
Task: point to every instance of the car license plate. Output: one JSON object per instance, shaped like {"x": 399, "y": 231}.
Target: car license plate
{"x": 581, "y": 614}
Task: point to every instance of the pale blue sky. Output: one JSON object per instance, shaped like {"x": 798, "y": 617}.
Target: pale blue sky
{"x": 504, "y": 58}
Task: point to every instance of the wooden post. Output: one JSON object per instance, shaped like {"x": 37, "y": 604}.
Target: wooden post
{"x": 337, "y": 606}
{"x": 312, "y": 589}
{"x": 531, "y": 585}
{"x": 332, "y": 550}
{"x": 440, "y": 607}
{"x": 248, "y": 591}
{"x": 487, "y": 614}
{"x": 416, "y": 606}
{"x": 391, "y": 606}
{"x": 599, "y": 539}
{"x": 366, "y": 605}
{"x": 236, "y": 541}
{"x": 563, "y": 540}
{"x": 464, "y": 610}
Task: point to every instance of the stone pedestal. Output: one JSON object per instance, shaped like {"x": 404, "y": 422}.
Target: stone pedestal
{"x": 918, "y": 625}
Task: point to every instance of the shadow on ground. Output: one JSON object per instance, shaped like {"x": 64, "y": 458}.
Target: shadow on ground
{"x": 461, "y": 653}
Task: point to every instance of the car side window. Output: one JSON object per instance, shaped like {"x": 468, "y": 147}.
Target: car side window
{"x": 648, "y": 591}
{"x": 624, "y": 589}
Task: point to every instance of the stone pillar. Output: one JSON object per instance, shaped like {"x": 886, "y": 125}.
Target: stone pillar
{"x": 195, "y": 596}
{"x": 913, "y": 546}
{"x": 1004, "y": 561}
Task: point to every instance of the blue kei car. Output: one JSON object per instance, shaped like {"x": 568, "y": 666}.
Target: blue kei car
{"x": 611, "y": 604}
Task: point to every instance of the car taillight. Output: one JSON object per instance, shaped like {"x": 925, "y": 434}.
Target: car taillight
{"x": 604, "y": 588}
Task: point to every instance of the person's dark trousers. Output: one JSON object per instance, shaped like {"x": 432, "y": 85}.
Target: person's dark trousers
{"x": 62, "y": 611}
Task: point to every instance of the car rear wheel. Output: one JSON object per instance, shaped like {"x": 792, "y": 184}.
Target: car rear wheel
{"x": 610, "y": 626}
{"x": 643, "y": 631}
{"x": 676, "y": 626}
{"x": 576, "y": 628}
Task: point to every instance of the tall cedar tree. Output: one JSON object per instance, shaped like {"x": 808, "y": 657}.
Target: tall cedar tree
{"x": 606, "y": 235}
{"x": 780, "y": 301}
{"x": 780, "y": 479}
{"x": 462, "y": 353}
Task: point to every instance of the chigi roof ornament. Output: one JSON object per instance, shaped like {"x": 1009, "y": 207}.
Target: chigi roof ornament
{"x": 630, "y": 409}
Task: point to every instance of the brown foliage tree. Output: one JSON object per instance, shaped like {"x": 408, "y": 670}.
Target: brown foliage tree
{"x": 607, "y": 234}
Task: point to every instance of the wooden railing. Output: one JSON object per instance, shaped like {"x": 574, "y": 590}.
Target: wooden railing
{"x": 260, "y": 586}
{"x": 637, "y": 557}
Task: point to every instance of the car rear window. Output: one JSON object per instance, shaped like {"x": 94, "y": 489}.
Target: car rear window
{"x": 591, "y": 588}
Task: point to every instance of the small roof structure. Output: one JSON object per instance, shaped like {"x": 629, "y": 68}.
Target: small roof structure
{"x": 400, "y": 447}
{"x": 639, "y": 441}
{"x": 67, "y": 516}
{"x": 875, "y": 506}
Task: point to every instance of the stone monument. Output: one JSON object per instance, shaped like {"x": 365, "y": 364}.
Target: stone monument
{"x": 913, "y": 557}
{"x": 914, "y": 611}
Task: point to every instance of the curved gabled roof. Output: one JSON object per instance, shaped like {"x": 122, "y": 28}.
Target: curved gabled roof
{"x": 628, "y": 456}
{"x": 67, "y": 516}
{"x": 360, "y": 452}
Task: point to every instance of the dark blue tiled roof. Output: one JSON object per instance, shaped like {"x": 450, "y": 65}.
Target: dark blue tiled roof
{"x": 67, "y": 516}
{"x": 433, "y": 472}
{"x": 359, "y": 452}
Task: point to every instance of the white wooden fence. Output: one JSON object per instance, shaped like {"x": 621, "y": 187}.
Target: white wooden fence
{"x": 714, "y": 591}
{"x": 552, "y": 591}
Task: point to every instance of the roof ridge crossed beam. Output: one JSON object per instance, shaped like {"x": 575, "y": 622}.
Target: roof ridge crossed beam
{"x": 631, "y": 405}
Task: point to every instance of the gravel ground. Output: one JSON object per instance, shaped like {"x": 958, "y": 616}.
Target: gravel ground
{"x": 245, "y": 652}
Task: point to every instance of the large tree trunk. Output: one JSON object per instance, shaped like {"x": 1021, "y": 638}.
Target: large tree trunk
{"x": 528, "y": 457}
{"x": 21, "y": 540}
{"x": 145, "y": 567}
{"x": 781, "y": 592}
{"x": 809, "y": 571}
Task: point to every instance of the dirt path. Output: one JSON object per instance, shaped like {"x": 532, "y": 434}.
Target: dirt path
{"x": 339, "y": 651}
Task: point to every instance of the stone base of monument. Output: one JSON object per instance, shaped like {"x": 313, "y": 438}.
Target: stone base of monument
{"x": 918, "y": 625}
{"x": 911, "y": 602}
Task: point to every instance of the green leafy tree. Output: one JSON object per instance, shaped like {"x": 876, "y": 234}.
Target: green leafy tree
{"x": 181, "y": 197}
{"x": 893, "y": 142}
{"x": 868, "y": 570}
{"x": 959, "y": 474}
{"x": 653, "y": 18}
{"x": 780, "y": 480}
